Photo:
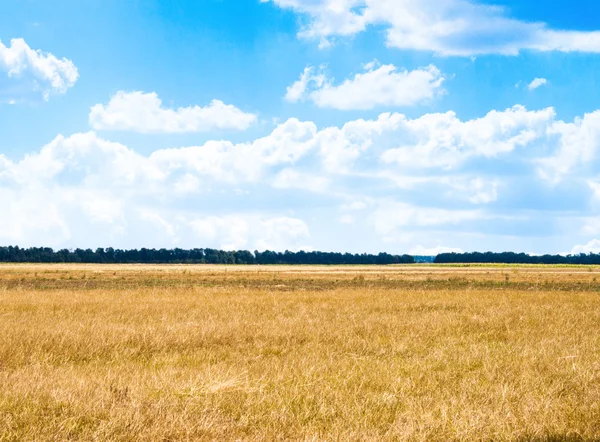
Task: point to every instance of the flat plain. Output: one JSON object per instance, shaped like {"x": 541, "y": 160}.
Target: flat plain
{"x": 415, "y": 353}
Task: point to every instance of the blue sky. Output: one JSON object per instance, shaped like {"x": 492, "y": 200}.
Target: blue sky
{"x": 346, "y": 125}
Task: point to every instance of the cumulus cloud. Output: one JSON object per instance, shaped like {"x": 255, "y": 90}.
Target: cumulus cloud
{"x": 444, "y": 141}
{"x": 86, "y": 155}
{"x": 591, "y": 247}
{"x": 446, "y": 27}
{"x": 594, "y": 185}
{"x": 537, "y": 82}
{"x": 297, "y": 91}
{"x": 292, "y": 179}
{"x": 86, "y": 191}
{"x": 396, "y": 174}
{"x": 296, "y": 154}
{"x": 96, "y": 192}
{"x": 144, "y": 112}
{"x": 38, "y": 71}
{"x": 377, "y": 86}
{"x": 576, "y": 144}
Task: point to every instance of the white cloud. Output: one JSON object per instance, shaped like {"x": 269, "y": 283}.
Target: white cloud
{"x": 40, "y": 71}
{"x": 478, "y": 190}
{"x": 433, "y": 251}
{"x": 594, "y": 185}
{"x": 576, "y": 144}
{"x": 144, "y": 112}
{"x": 394, "y": 174}
{"x": 297, "y": 91}
{"x": 392, "y": 218}
{"x": 297, "y": 154}
{"x": 94, "y": 192}
{"x": 592, "y": 247}
{"x": 283, "y": 233}
{"x": 292, "y": 179}
{"x": 446, "y": 27}
{"x": 458, "y": 187}
{"x": 235, "y": 232}
{"x": 187, "y": 184}
{"x": 103, "y": 208}
{"x": 443, "y": 141}
{"x": 381, "y": 86}
{"x": 21, "y": 222}
{"x": 537, "y": 82}
{"x": 245, "y": 162}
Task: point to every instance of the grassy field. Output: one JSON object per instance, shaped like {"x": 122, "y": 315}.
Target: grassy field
{"x": 423, "y": 353}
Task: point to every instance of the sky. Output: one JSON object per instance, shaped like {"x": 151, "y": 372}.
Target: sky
{"x": 400, "y": 126}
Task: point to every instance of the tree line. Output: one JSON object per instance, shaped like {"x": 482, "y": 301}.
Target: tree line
{"x": 193, "y": 256}
{"x": 515, "y": 258}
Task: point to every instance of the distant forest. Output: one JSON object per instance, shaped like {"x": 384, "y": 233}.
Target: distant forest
{"x": 213, "y": 256}
{"x": 514, "y": 258}
{"x": 194, "y": 256}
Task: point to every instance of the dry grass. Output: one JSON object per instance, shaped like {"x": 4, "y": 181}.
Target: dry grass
{"x": 299, "y": 353}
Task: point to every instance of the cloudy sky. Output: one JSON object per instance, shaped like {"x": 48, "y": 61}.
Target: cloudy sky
{"x": 340, "y": 125}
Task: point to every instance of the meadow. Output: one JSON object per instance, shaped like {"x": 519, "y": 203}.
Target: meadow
{"x": 261, "y": 353}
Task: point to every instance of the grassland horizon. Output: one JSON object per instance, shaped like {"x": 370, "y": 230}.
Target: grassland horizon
{"x": 308, "y": 353}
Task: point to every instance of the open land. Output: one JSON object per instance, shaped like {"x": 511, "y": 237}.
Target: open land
{"x": 415, "y": 353}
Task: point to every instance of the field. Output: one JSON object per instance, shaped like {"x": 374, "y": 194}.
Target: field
{"x": 415, "y": 353}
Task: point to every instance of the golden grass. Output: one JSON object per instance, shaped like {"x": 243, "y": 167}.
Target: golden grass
{"x": 419, "y": 353}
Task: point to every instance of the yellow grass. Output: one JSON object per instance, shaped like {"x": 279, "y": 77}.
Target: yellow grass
{"x": 111, "y": 353}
